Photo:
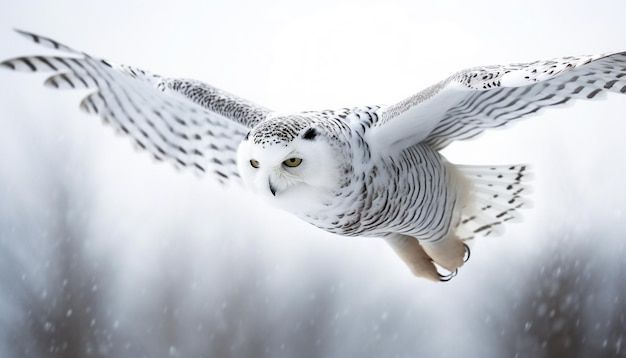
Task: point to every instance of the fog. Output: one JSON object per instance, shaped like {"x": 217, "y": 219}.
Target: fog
{"x": 107, "y": 253}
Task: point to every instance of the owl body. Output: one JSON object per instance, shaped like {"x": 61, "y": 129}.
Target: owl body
{"x": 367, "y": 171}
{"x": 411, "y": 192}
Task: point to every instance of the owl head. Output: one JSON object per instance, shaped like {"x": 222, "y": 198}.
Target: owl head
{"x": 292, "y": 161}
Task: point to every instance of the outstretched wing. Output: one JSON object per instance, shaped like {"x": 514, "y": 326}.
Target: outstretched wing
{"x": 470, "y": 101}
{"x": 186, "y": 122}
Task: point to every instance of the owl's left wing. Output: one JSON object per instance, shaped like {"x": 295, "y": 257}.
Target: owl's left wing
{"x": 186, "y": 122}
{"x": 471, "y": 101}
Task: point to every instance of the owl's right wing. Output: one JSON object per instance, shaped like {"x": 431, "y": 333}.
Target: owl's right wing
{"x": 472, "y": 101}
{"x": 186, "y": 122}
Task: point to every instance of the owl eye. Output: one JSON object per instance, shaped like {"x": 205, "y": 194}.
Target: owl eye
{"x": 292, "y": 162}
{"x": 254, "y": 163}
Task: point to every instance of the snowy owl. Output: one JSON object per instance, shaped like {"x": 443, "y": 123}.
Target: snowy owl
{"x": 368, "y": 171}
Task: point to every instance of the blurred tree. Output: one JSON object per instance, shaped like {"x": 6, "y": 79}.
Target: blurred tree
{"x": 50, "y": 276}
{"x": 574, "y": 307}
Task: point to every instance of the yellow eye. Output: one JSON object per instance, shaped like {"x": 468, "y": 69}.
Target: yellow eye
{"x": 254, "y": 163}
{"x": 292, "y": 162}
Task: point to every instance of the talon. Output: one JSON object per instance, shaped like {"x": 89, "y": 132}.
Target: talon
{"x": 468, "y": 253}
{"x": 448, "y": 277}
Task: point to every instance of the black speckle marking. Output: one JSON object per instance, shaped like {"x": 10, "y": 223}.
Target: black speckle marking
{"x": 310, "y": 134}
{"x": 221, "y": 174}
{"x": 610, "y": 84}
{"x": 593, "y": 93}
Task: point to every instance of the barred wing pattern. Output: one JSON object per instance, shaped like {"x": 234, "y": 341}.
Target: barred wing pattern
{"x": 186, "y": 122}
{"x": 477, "y": 99}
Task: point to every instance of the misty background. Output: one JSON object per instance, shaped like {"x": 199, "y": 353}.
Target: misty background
{"x": 105, "y": 253}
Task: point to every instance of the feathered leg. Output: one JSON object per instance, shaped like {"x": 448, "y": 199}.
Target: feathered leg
{"x": 412, "y": 253}
{"x": 448, "y": 253}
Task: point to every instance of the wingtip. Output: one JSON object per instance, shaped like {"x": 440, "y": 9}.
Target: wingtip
{"x": 32, "y": 36}
{"x": 8, "y": 64}
{"x": 43, "y": 40}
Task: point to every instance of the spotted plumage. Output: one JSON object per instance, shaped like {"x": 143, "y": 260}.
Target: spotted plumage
{"x": 367, "y": 171}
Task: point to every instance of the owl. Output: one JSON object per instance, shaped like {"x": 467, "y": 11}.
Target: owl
{"x": 373, "y": 171}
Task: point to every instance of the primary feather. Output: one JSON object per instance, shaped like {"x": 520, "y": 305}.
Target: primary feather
{"x": 471, "y": 101}
{"x": 186, "y": 122}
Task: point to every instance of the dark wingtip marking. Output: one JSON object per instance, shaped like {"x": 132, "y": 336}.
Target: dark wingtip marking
{"x": 37, "y": 39}
{"x": 93, "y": 105}
{"x": 28, "y": 63}
{"x": 22, "y": 32}
{"x": 67, "y": 80}
{"x": 52, "y": 82}
{"x": 8, "y": 64}
{"x": 48, "y": 63}
{"x": 106, "y": 63}
{"x": 310, "y": 134}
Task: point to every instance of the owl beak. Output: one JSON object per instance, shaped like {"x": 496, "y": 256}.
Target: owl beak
{"x": 272, "y": 187}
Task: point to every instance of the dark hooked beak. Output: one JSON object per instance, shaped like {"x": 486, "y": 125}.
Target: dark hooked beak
{"x": 272, "y": 188}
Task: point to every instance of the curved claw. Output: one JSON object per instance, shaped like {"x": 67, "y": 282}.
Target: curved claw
{"x": 468, "y": 253}
{"x": 448, "y": 277}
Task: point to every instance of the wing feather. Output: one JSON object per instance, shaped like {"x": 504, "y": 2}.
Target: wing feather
{"x": 471, "y": 101}
{"x": 185, "y": 122}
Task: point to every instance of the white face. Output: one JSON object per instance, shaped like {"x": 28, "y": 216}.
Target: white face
{"x": 296, "y": 176}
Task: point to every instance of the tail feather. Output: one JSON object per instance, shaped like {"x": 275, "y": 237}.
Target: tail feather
{"x": 494, "y": 196}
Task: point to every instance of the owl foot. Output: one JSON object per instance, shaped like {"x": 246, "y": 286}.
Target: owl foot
{"x": 413, "y": 255}
{"x": 449, "y": 253}
{"x": 452, "y": 274}
{"x": 448, "y": 277}
{"x": 468, "y": 253}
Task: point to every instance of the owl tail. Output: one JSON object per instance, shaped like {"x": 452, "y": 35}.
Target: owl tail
{"x": 493, "y": 197}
